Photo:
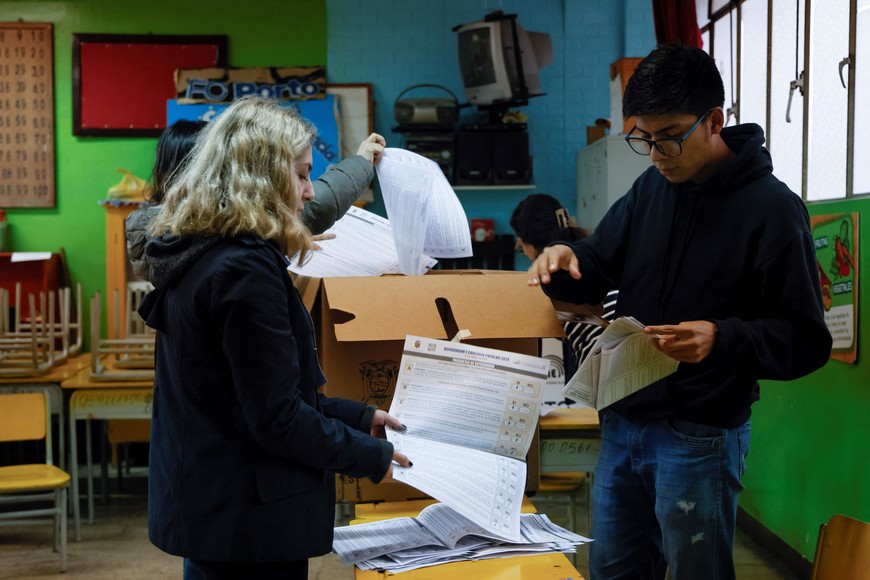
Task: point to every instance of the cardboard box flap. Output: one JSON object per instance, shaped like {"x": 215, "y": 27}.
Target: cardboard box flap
{"x": 308, "y": 289}
{"x": 389, "y": 308}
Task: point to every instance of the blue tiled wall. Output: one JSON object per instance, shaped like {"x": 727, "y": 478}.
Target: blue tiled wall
{"x": 395, "y": 44}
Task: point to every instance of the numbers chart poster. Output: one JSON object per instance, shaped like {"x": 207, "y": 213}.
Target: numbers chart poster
{"x": 835, "y": 238}
{"x": 26, "y": 115}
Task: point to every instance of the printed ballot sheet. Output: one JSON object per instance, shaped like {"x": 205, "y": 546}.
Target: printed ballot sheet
{"x": 439, "y": 535}
{"x": 363, "y": 246}
{"x": 471, "y": 414}
{"x": 425, "y": 213}
{"x": 622, "y": 361}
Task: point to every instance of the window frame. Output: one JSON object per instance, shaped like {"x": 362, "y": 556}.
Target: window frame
{"x": 733, "y": 9}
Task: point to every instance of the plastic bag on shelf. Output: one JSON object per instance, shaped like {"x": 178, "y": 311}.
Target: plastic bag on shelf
{"x": 130, "y": 188}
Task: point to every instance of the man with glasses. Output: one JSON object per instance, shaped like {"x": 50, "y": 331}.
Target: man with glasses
{"x": 715, "y": 254}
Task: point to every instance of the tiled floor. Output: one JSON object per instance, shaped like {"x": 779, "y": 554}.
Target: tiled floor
{"x": 116, "y": 547}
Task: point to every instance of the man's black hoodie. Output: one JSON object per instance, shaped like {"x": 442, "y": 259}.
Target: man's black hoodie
{"x": 737, "y": 251}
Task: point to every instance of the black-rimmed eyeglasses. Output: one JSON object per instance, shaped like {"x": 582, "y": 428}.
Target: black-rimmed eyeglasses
{"x": 669, "y": 146}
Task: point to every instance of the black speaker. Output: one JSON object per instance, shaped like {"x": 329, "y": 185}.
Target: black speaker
{"x": 510, "y": 157}
{"x": 435, "y": 145}
{"x": 474, "y": 158}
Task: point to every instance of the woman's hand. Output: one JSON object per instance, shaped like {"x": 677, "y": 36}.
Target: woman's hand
{"x": 320, "y": 238}
{"x": 398, "y": 458}
{"x": 372, "y": 148}
{"x": 381, "y": 420}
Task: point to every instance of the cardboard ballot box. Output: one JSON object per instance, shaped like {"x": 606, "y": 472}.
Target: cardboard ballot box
{"x": 362, "y": 323}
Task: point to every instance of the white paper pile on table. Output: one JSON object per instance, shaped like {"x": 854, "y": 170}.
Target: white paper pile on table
{"x": 439, "y": 535}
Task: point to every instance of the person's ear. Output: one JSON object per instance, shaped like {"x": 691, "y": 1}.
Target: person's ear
{"x": 717, "y": 120}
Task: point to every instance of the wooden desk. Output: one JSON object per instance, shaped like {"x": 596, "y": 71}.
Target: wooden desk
{"x": 115, "y": 399}
{"x": 570, "y": 440}
{"x": 552, "y": 566}
{"x": 49, "y": 383}
{"x": 570, "y": 443}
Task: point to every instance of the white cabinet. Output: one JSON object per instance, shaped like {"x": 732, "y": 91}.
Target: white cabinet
{"x": 606, "y": 169}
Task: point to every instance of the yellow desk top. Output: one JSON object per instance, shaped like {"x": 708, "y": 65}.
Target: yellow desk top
{"x": 552, "y": 566}
{"x": 56, "y": 374}
{"x": 576, "y": 418}
{"x": 82, "y": 380}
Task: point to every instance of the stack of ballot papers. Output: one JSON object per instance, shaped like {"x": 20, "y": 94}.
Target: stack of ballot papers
{"x": 439, "y": 535}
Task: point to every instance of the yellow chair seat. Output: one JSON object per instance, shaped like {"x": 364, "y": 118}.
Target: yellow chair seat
{"x": 561, "y": 482}
{"x": 39, "y": 477}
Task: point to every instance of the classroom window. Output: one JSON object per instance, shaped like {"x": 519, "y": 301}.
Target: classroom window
{"x": 828, "y": 102}
{"x": 724, "y": 41}
{"x": 861, "y": 149}
{"x": 786, "y": 126}
{"x": 809, "y": 114}
{"x": 753, "y": 63}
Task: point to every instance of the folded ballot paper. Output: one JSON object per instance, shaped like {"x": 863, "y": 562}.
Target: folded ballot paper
{"x": 622, "y": 361}
{"x": 425, "y": 221}
{"x": 439, "y": 535}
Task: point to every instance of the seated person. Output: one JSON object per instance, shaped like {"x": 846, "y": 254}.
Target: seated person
{"x": 538, "y": 221}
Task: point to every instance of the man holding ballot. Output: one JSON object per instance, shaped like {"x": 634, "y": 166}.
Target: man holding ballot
{"x": 715, "y": 255}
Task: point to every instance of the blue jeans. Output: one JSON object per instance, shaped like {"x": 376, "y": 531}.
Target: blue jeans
{"x": 665, "y": 498}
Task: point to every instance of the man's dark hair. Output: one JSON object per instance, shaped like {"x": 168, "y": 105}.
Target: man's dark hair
{"x": 674, "y": 79}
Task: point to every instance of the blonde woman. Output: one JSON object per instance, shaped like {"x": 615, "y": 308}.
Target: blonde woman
{"x": 243, "y": 446}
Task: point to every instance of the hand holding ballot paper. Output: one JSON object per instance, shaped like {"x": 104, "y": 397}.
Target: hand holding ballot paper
{"x": 623, "y": 360}
{"x": 471, "y": 414}
{"x": 425, "y": 220}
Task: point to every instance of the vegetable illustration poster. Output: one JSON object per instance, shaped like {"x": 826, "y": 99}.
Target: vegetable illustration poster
{"x": 835, "y": 238}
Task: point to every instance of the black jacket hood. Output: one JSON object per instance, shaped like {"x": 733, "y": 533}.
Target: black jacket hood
{"x": 169, "y": 256}
{"x": 751, "y": 160}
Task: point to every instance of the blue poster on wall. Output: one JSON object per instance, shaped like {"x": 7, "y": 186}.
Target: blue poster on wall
{"x": 322, "y": 113}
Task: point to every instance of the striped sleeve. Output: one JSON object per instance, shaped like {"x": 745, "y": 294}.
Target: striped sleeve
{"x": 582, "y": 335}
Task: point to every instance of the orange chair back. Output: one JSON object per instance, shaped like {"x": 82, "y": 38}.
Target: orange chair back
{"x": 842, "y": 550}
{"x": 22, "y": 416}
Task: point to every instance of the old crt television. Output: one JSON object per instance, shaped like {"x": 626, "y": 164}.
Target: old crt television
{"x": 500, "y": 61}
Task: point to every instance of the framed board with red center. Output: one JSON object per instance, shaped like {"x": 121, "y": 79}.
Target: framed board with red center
{"x": 121, "y": 82}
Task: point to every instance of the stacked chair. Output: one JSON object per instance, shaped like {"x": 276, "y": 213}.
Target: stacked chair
{"x": 49, "y": 334}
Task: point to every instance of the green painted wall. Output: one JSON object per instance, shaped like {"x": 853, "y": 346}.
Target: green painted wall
{"x": 261, "y": 33}
{"x": 809, "y": 458}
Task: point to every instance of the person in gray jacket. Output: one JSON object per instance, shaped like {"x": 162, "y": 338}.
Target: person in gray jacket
{"x": 334, "y": 192}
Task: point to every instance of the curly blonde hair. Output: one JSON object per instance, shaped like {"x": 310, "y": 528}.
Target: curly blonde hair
{"x": 240, "y": 178}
